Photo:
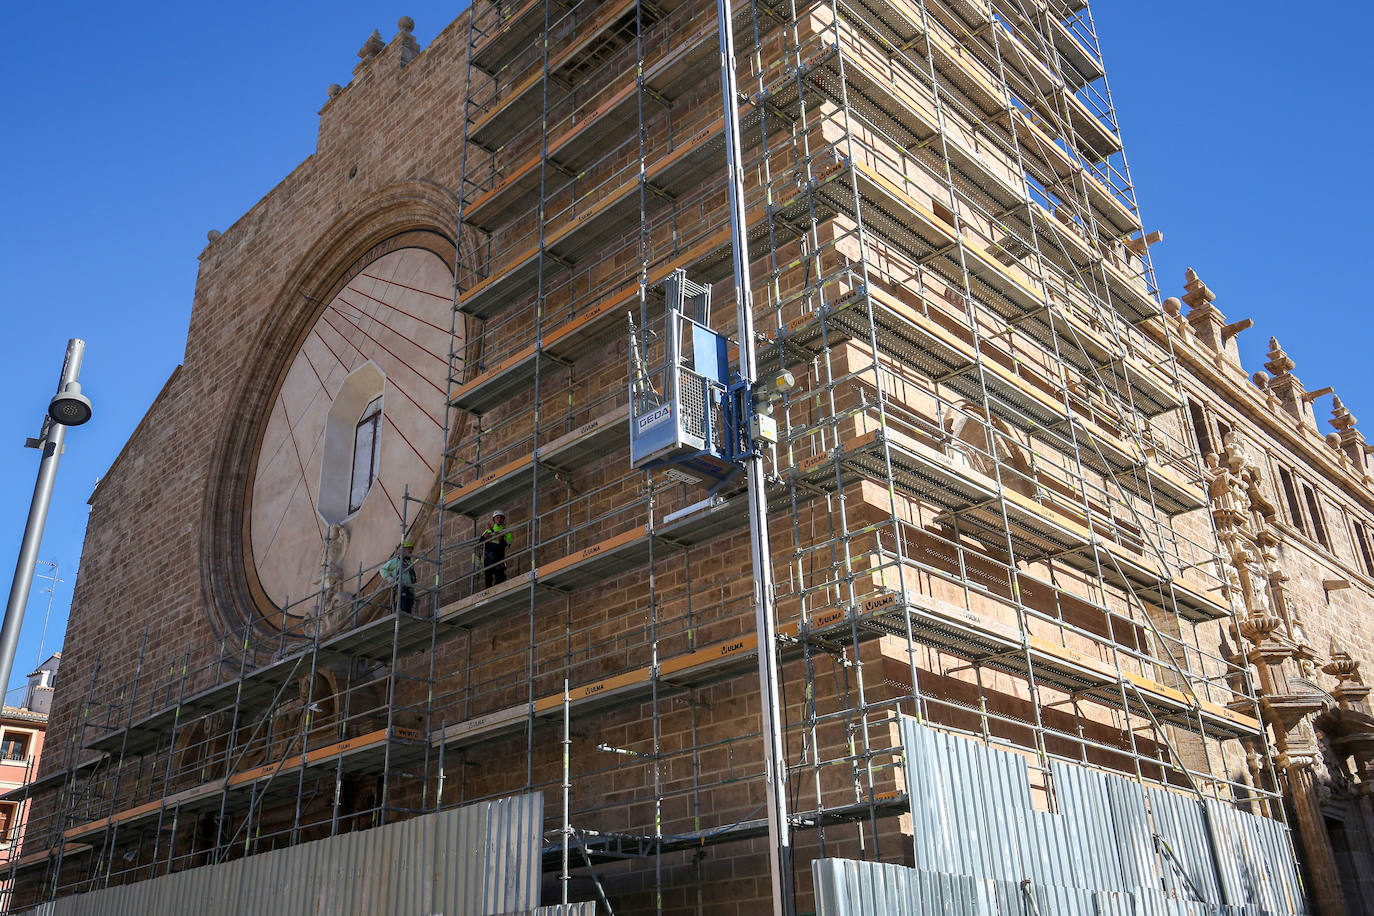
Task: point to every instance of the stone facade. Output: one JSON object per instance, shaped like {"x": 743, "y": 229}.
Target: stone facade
{"x": 1042, "y": 513}
{"x": 1293, "y": 508}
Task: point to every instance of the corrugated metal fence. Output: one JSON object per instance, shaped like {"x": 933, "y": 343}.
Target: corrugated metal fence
{"x": 479, "y": 860}
{"x": 1114, "y": 847}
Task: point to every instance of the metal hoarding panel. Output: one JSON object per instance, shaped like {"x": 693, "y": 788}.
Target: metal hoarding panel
{"x": 1233, "y": 848}
{"x": 977, "y": 837}
{"x": 479, "y": 860}
{"x": 1006, "y": 788}
{"x": 1260, "y": 872}
{"x": 515, "y": 850}
{"x": 934, "y": 848}
{"x": 1131, "y": 833}
{"x": 1083, "y": 797}
{"x": 1179, "y": 821}
{"x": 967, "y": 792}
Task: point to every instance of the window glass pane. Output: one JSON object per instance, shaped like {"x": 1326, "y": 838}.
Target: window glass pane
{"x": 14, "y": 747}
{"x": 1204, "y": 441}
{"x": 1362, "y": 541}
{"x": 1318, "y": 522}
{"x": 1291, "y": 494}
{"x": 365, "y": 444}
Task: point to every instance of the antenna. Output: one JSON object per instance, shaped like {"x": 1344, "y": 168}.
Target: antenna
{"x": 51, "y": 588}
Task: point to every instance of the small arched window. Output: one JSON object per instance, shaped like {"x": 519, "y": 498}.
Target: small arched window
{"x": 366, "y": 439}
{"x": 352, "y": 452}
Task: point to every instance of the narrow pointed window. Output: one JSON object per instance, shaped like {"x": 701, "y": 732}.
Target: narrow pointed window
{"x": 366, "y": 439}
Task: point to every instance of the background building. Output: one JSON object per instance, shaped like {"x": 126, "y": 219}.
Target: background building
{"x": 987, "y": 505}
{"x": 23, "y": 725}
{"x": 1293, "y": 507}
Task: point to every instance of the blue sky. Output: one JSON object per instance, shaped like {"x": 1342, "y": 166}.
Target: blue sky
{"x": 135, "y": 128}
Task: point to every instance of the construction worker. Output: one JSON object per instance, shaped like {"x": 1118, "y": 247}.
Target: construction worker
{"x": 495, "y": 539}
{"x": 400, "y": 572}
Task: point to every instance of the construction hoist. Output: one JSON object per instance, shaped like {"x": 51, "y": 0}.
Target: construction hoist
{"x": 691, "y": 414}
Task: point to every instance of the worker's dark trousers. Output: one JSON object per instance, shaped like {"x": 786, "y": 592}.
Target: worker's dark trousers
{"x": 495, "y": 575}
{"x": 405, "y": 599}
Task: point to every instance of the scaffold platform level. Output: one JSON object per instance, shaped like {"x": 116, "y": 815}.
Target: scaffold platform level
{"x": 610, "y": 556}
{"x": 971, "y": 636}
{"x": 917, "y": 469}
{"x": 697, "y": 668}
{"x": 588, "y": 442}
{"x": 515, "y": 373}
{"x": 363, "y": 753}
{"x": 607, "y": 216}
{"x": 372, "y": 641}
{"x": 601, "y": 847}
{"x": 1002, "y": 647}
{"x": 523, "y": 100}
{"x": 583, "y": 142}
{"x": 511, "y": 31}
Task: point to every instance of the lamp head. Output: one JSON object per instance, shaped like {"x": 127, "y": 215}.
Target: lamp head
{"x": 70, "y": 407}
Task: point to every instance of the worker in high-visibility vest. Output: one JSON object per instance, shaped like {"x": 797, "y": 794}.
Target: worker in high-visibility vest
{"x": 400, "y": 572}
{"x": 495, "y": 539}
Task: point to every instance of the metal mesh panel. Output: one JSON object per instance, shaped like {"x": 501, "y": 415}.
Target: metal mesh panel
{"x": 692, "y": 394}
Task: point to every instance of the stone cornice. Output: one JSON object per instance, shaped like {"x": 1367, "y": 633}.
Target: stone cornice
{"x": 1223, "y": 377}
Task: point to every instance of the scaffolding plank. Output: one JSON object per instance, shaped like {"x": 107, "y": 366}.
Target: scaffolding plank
{"x": 1035, "y": 528}
{"x": 584, "y": 141}
{"x": 591, "y": 440}
{"x": 1027, "y": 396}
{"x": 1084, "y": 66}
{"x": 1072, "y": 176}
{"x": 1098, "y": 139}
{"x": 614, "y": 554}
{"x": 511, "y": 375}
{"x": 487, "y": 603}
{"x": 917, "y": 469}
{"x": 499, "y": 383}
{"x": 145, "y": 733}
{"x": 879, "y": 97}
{"x": 361, "y": 752}
{"x": 597, "y": 323}
{"x": 923, "y": 340}
{"x": 1000, "y": 646}
{"x": 521, "y": 103}
{"x": 698, "y": 667}
{"x": 1136, "y": 470}
{"x": 513, "y": 32}
{"x": 492, "y": 488}
{"x": 372, "y": 640}
{"x": 610, "y": 212}
{"x": 376, "y": 639}
{"x": 46, "y": 856}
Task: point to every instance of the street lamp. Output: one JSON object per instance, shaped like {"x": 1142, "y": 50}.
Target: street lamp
{"x": 69, "y": 407}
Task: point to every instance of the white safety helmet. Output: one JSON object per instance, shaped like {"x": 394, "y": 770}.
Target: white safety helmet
{"x": 496, "y": 512}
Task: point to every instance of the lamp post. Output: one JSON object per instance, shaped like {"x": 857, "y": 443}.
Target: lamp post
{"x": 67, "y": 408}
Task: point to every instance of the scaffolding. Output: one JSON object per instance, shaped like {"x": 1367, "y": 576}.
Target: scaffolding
{"x": 987, "y": 509}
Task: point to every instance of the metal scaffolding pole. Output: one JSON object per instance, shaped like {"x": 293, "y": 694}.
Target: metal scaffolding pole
{"x": 770, "y": 707}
